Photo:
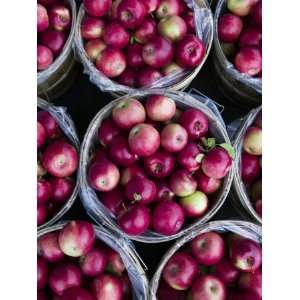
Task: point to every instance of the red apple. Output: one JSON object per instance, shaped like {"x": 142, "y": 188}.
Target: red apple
{"x": 131, "y": 13}
{"x": 250, "y": 168}
{"x": 249, "y": 61}
{"x": 168, "y": 218}
{"x": 54, "y": 40}
{"x": 195, "y": 122}
{"x": 207, "y": 184}
{"x": 208, "y": 248}
{"x": 216, "y": 163}
{"x": 115, "y": 35}
{"x": 107, "y": 287}
{"x": 166, "y": 292}
{"x": 113, "y": 200}
{"x": 160, "y": 108}
{"x": 111, "y": 62}
{"x": 44, "y": 57}
{"x": 252, "y": 282}
{"x": 60, "y": 17}
{"x": 164, "y": 192}
{"x": 167, "y": 8}
{"x": 47, "y": 2}
{"x": 130, "y": 172}
{"x": 190, "y": 157}
{"x": 44, "y": 191}
{"x": 49, "y": 123}
{"x": 128, "y": 113}
{"x": 62, "y": 189}
{"x": 115, "y": 263}
{"x": 145, "y": 31}
{"x": 173, "y": 28}
{"x": 148, "y": 76}
{"x": 189, "y": 19}
{"x": 171, "y": 68}
{"x": 94, "y": 48}
{"x": 252, "y": 143}
{"x": 190, "y": 51}
{"x": 182, "y": 183}
{"x": 239, "y": 7}
{"x": 108, "y": 131}
{"x": 195, "y": 205}
{"x": 245, "y": 255}
{"x": 226, "y": 271}
{"x": 158, "y": 52}
{"x": 63, "y": 277}
{"x": 256, "y": 13}
{"x": 42, "y": 18}
{"x": 229, "y": 28}
{"x": 103, "y": 176}
{"x": 128, "y": 78}
{"x": 208, "y": 287}
{"x": 134, "y": 56}
{"x": 42, "y": 273}
{"x": 60, "y": 159}
{"x": 48, "y": 247}
{"x": 41, "y": 214}
{"x": 180, "y": 271}
{"x": 160, "y": 164}
{"x": 140, "y": 189}
{"x": 94, "y": 262}
{"x": 76, "y": 238}
{"x": 250, "y": 37}
{"x": 135, "y": 220}
{"x": 174, "y": 137}
{"x": 92, "y": 28}
{"x": 76, "y": 293}
{"x": 97, "y": 8}
{"x": 151, "y": 5}
{"x": 143, "y": 140}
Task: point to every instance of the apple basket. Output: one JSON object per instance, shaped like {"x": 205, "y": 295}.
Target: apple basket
{"x": 243, "y": 89}
{"x": 227, "y": 227}
{"x": 58, "y": 77}
{"x": 125, "y": 249}
{"x": 177, "y": 80}
{"x": 240, "y": 193}
{"x": 92, "y": 201}
{"x": 67, "y": 127}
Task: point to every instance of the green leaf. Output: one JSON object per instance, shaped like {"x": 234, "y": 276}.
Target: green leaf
{"x": 229, "y": 149}
{"x": 209, "y": 143}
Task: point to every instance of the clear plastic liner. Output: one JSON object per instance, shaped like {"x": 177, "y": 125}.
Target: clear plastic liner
{"x": 44, "y": 75}
{"x": 67, "y": 126}
{"x": 252, "y": 82}
{"x": 93, "y": 205}
{"x": 136, "y": 273}
{"x": 237, "y": 130}
{"x": 204, "y": 30}
{"x": 242, "y": 228}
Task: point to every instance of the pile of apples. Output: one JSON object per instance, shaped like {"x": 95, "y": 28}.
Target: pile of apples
{"x": 57, "y": 162}
{"x": 156, "y": 166}
{"x": 240, "y": 34}
{"x": 251, "y": 163}
{"x": 214, "y": 267}
{"x": 72, "y": 265}
{"x": 137, "y": 42}
{"x": 54, "y": 20}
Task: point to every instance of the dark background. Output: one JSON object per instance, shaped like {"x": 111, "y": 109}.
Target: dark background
{"x": 83, "y": 100}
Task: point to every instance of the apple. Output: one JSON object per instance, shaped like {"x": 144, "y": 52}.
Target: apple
{"x": 44, "y": 191}
{"x": 42, "y": 18}
{"x": 76, "y": 293}
{"x": 208, "y": 287}
{"x": 54, "y": 40}
{"x": 158, "y": 52}
{"x": 252, "y": 143}
{"x": 145, "y": 31}
{"x": 208, "y": 248}
{"x": 76, "y": 238}
{"x": 131, "y": 13}
{"x": 134, "y": 56}
{"x": 49, "y": 123}
{"x": 182, "y": 183}
{"x": 216, "y": 163}
{"x": 140, "y": 189}
{"x": 251, "y": 37}
{"x": 195, "y": 123}
{"x": 189, "y": 19}
{"x": 60, "y": 159}
{"x": 244, "y": 295}
{"x": 171, "y": 68}
{"x": 207, "y": 184}
{"x": 160, "y": 164}
{"x": 195, "y": 205}
{"x": 113, "y": 200}
{"x": 134, "y": 220}
{"x": 92, "y": 28}
{"x": 225, "y": 271}
{"x": 62, "y": 189}
{"x": 258, "y": 207}
{"x": 190, "y": 51}
{"x": 174, "y": 137}
{"x": 180, "y": 271}
{"x": 115, "y": 263}
{"x": 97, "y": 8}
{"x": 190, "y": 157}
{"x": 249, "y": 61}
{"x": 173, "y": 28}
{"x": 41, "y": 214}
{"x": 164, "y": 192}
{"x": 128, "y": 173}
{"x": 128, "y": 113}
{"x": 103, "y": 176}
{"x": 113, "y": 13}
{"x": 250, "y": 168}
{"x": 115, "y": 35}
{"x": 256, "y": 13}
{"x": 48, "y": 247}
{"x": 107, "y": 287}
{"x": 166, "y": 292}
{"x": 44, "y": 57}
{"x": 160, "y": 108}
{"x": 60, "y": 17}
{"x": 147, "y": 77}
{"x": 229, "y": 28}
{"x": 167, "y": 8}
{"x": 168, "y": 218}
{"x": 128, "y": 78}
{"x": 144, "y": 140}
{"x": 239, "y": 7}
{"x": 252, "y": 282}
{"x": 108, "y": 131}
{"x": 94, "y": 48}
{"x": 245, "y": 255}
{"x": 42, "y": 273}
{"x": 151, "y": 5}
{"x": 94, "y": 262}
{"x": 111, "y": 62}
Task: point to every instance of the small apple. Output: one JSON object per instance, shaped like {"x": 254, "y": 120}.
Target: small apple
{"x": 195, "y": 205}
{"x": 174, "y": 137}
{"x": 92, "y": 28}
{"x": 182, "y": 183}
{"x": 252, "y": 143}
{"x": 239, "y": 7}
{"x": 173, "y": 28}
